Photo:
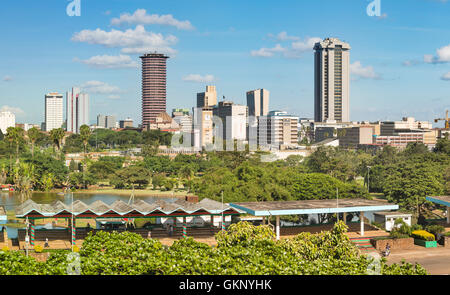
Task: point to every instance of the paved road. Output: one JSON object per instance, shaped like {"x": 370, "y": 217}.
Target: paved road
{"x": 435, "y": 260}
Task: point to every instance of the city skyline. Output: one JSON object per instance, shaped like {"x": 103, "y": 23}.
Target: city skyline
{"x": 392, "y": 75}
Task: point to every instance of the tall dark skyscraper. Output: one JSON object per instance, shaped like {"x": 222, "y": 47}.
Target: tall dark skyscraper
{"x": 154, "y": 72}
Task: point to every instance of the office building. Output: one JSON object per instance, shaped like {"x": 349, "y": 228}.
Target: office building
{"x": 332, "y": 81}
{"x": 277, "y": 130}
{"x": 203, "y": 127}
{"x": 207, "y": 98}
{"x": 258, "y": 102}
{"x": 127, "y": 123}
{"x": 154, "y": 83}
{"x": 53, "y": 111}
{"x": 408, "y": 123}
{"x": 354, "y": 136}
{"x": 234, "y": 120}
{"x": 7, "y": 119}
{"x": 108, "y": 122}
{"x": 184, "y": 122}
{"x": 77, "y": 110}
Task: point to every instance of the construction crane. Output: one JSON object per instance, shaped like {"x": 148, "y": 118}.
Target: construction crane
{"x": 446, "y": 119}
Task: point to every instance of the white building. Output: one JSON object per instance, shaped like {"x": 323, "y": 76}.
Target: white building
{"x": 7, "y": 119}
{"x": 185, "y": 123}
{"x": 277, "y": 130}
{"x": 53, "y": 111}
{"x": 332, "y": 81}
{"x": 234, "y": 121}
{"x": 107, "y": 122}
{"x": 77, "y": 110}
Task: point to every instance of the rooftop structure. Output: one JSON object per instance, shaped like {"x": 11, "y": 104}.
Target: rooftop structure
{"x": 120, "y": 209}
{"x": 278, "y": 209}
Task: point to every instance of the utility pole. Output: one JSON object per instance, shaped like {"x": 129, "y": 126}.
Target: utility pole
{"x": 337, "y": 203}
{"x": 368, "y": 178}
{"x": 27, "y": 239}
{"x": 223, "y": 220}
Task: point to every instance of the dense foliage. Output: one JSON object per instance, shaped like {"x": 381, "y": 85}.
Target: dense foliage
{"x": 243, "y": 250}
{"x": 35, "y": 160}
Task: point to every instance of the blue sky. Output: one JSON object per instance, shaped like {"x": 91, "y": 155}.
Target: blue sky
{"x": 400, "y": 60}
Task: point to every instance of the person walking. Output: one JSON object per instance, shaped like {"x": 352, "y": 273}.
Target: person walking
{"x": 46, "y": 243}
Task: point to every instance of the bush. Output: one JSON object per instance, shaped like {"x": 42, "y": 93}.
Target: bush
{"x": 435, "y": 229}
{"x": 5, "y": 249}
{"x": 398, "y": 235}
{"x": 447, "y": 234}
{"x": 38, "y": 249}
{"x": 76, "y": 249}
{"x": 416, "y": 227}
{"x": 400, "y": 229}
{"x": 423, "y": 235}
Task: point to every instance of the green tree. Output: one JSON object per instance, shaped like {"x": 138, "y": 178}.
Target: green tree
{"x": 133, "y": 175}
{"x": 408, "y": 184}
{"x": 33, "y": 135}
{"x": 57, "y": 136}
{"x": 16, "y": 135}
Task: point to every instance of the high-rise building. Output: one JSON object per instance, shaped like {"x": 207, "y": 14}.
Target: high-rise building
{"x": 154, "y": 83}
{"x": 7, "y": 119}
{"x": 77, "y": 110}
{"x": 207, "y": 98}
{"x": 53, "y": 111}
{"x": 277, "y": 129}
{"x": 234, "y": 120}
{"x": 107, "y": 122}
{"x": 332, "y": 81}
{"x": 203, "y": 127}
{"x": 258, "y": 102}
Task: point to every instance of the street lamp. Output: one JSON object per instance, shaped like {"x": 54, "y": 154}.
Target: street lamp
{"x": 368, "y": 178}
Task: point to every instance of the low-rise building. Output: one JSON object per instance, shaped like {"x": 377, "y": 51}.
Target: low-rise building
{"x": 354, "y": 136}
{"x": 7, "y": 119}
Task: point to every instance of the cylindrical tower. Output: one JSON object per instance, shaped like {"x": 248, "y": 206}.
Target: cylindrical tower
{"x": 154, "y": 72}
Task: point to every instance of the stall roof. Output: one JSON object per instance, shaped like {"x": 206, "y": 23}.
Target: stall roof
{"x": 119, "y": 208}
{"x": 441, "y": 200}
{"x": 313, "y": 207}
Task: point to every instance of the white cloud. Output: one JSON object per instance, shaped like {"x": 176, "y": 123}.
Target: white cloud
{"x": 114, "y": 96}
{"x": 7, "y": 78}
{"x": 132, "y": 41}
{"x": 283, "y": 36}
{"x": 410, "y": 63}
{"x": 442, "y": 56}
{"x": 267, "y": 52}
{"x": 14, "y": 110}
{"x": 446, "y": 77}
{"x": 140, "y": 17}
{"x": 199, "y": 78}
{"x": 295, "y": 51}
{"x": 383, "y": 16}
{"x": 110, "y": 62}
{"x": 300, "y": 47}
{"x": 98, "y": 87}
{"x": 363, "y": 72}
